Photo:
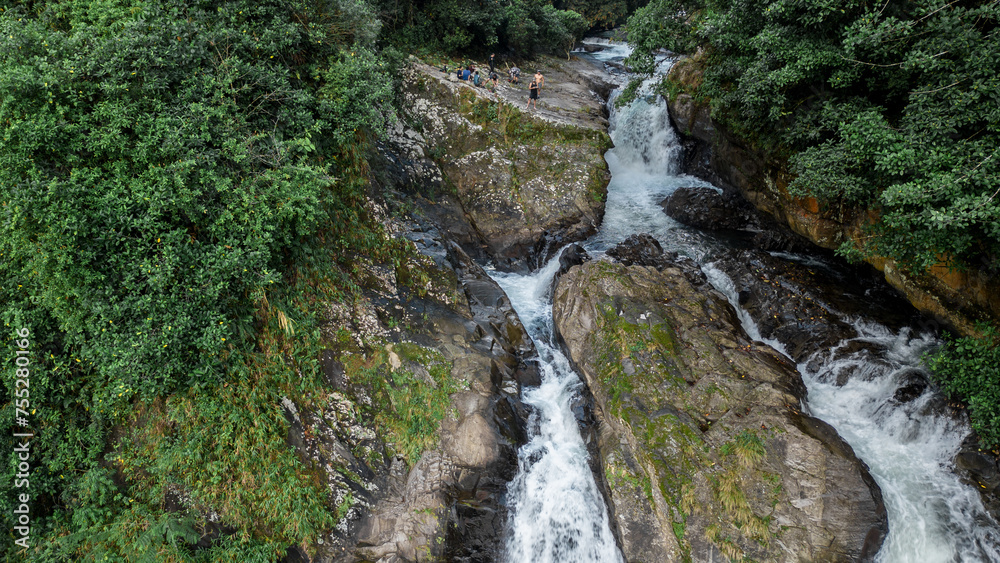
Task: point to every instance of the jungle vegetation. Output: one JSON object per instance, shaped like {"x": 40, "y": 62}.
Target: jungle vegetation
{"x": 181, "y": 182}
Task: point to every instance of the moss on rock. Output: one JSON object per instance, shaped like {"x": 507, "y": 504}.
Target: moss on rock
{"x": 709, "y": 418}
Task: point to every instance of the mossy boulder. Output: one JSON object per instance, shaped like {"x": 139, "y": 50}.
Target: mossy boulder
{"x": 513, "y": 187}
{"x": 705, "y": 453}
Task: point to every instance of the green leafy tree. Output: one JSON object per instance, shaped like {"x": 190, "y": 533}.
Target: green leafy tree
{"x": 969, "y": 368}
{"x": 601, "y": 13}
{"x": 893, "y": 107}
{"x": 524, "y": 26}
{"x": 163, "y": 166}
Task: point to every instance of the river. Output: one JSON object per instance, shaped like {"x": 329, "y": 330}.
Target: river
{"x": 557, "y": 510}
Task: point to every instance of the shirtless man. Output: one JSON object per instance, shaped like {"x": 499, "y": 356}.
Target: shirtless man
{"x": 539, "y": 80}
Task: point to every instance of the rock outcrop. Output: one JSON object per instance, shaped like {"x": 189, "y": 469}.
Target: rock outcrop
{"x": 418, "y": 436}
{"x": 958, "y": 298}
{"x": 704, "y": 451}
{"x": 508, "y": 186}
{"x": 706, "y": 208}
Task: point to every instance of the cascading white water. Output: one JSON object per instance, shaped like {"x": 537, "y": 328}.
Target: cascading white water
{"x": 557, "y": 512}
{"x": 907, "y": 445}
{"x": 610, "y": 49}
{"x": 933, "y": 517}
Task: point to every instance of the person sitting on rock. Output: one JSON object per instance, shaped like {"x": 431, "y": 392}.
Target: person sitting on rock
{"x": 476, "y": 79}
{"x": 514, "y": 75}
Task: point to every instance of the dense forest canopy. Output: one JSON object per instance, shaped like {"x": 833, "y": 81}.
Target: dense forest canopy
{"x": 889, "y": 105}
{"x": 518, "y": 27}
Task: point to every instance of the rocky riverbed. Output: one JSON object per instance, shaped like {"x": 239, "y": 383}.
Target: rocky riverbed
{"x": 699, "y": 444}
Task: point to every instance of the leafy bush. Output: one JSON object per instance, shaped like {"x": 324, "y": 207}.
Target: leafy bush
{"x": 165, "y": 170}
{"x": 969, "y": 370}
{"x": 895, "y": 107}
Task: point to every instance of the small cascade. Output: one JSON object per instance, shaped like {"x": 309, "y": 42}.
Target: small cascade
{"x": 908, "y": 442}
{"x": 606, "y": 49}
{"x": 557, "y": 511}
{"x": 642, "y": 134}
{"x": 871, "y": 389}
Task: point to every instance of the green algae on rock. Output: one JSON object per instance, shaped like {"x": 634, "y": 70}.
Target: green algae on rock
{"x": 710, "y": 419}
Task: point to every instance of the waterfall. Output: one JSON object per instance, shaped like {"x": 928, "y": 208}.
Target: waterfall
{"x": 907, "y": 445}
{"x": 557, "y": 511}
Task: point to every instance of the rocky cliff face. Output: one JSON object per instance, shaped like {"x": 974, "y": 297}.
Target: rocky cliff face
{"x": 958, "y": 298}
{"x": 508, "y": 187}
{"x": 703, "y": 448}
{"x": 418, "y": 435}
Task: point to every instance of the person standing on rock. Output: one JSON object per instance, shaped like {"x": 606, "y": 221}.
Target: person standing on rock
{"x": 492, "y": 68}
{"x": 532, "y": 94}
{"x": 539, "y": 80}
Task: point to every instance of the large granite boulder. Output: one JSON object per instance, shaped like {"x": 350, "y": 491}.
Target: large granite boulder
{"x": 509, "y": 187}
{"x": 705, "y": 453}
{"x": 706, "y": 208}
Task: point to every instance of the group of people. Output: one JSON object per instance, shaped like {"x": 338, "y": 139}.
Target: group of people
{"x": 513, "y": 77}
{"x": 472, "y": 75}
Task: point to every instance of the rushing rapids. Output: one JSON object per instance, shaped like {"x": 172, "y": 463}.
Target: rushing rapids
{"x": 557, "y": 511}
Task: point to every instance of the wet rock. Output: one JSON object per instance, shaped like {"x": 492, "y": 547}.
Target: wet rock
{"x": 774, "y": 239}
{"x": 704, "y": 452}
{"x": 706, "y": 208}
{"x": 436, "y": 311}
{"x": 642, "y": 250}
{"x": 574, "y": 255}
{"x": 912, "y": 386}
{"x": 981, "y": 469}
{"x": 781, "y": 298}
